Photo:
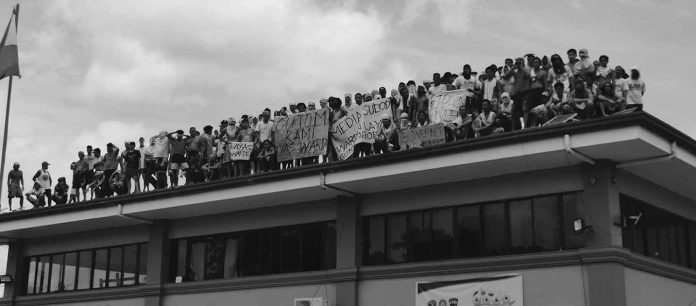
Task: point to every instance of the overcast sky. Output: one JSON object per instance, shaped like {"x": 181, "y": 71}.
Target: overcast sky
{"x": 98, "y": 71}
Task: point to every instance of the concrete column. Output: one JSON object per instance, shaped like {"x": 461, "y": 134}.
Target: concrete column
{"x": 157, "y": 259}
{"x": 348, "y": 248}
{"x": 15, "y": 267}
{"x": 600, "y": 204}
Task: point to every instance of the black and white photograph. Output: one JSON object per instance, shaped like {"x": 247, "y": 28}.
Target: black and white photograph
{"x": 347, "y": 153}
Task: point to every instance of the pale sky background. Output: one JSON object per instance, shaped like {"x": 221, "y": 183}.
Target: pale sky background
{"x": 97, "y": 71}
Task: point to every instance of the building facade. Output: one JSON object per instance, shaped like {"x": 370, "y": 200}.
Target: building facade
{"x": 366, "y": 231}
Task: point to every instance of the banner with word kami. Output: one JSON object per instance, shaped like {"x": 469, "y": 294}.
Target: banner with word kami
{"x": 422, "y": 136}
{"x": 444, "y": 108}
{"x": 301, "y": 135}
{"x": 240, "y": 150}
{"x": 504, "y": 290}
{"x": 360, "y": 124}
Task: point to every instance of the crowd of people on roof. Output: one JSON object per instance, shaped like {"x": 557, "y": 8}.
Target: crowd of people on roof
{"x": 522, "y": 93}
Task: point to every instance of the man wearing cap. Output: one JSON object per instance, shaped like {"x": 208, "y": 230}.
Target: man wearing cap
{"x": 15, "y": 185}
{"x": 311, "y": 106}
{"x": 636, "y": 88}
{"x": 43, "y": 177}
{"x": 323, "y": 102}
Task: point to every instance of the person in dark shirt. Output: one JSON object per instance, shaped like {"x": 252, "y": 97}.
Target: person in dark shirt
{"x": 178, "y": 156}
{"x": 60, "y": 192}
{"x": 15, "y": 185}
{"x": 131, "y": 171}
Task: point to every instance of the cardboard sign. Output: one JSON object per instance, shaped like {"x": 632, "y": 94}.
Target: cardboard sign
{"x": 240, "y": 150}
{"x": 504, "y": 290}
{"x": 422, "y": 136}
{"x": 361, "y": 124}
{"x": 302, "y": 135}
{"x": 444, "y": 108}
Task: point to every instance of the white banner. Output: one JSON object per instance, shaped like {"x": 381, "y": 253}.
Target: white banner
{"x": 361, "y": 124}
{"x": 503, "y": 290}
{"x": 445, "y": 107}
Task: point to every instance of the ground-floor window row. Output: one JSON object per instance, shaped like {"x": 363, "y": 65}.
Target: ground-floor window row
{"x": 110, "y": 267}
{"x": 527, "y": 225}
{"x": 657, "y": 233}
{"x": 297, "y": 248}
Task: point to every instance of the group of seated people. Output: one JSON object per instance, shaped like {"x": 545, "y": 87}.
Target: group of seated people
{"x": 522, "y": 93}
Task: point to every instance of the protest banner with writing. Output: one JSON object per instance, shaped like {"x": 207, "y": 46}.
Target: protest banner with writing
{"x": 302, "y": 135}
{"x": 444, "y": 108}
{"x": 361, "y": 124}
{"x": 240, "y": 150}
{"x": 422, "y": 136}
{"x": 501, "y": 290}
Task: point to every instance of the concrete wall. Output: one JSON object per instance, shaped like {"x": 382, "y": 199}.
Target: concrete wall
{"x": 254, "y": 297}
{"x": 478, "y": 191}
{"x": 86, "y": 240}
{"x": 548, "y": 286}
{"x": 648, "y": 289}
{"x": 123, "y": 302}
{"x": 254, "y": 219}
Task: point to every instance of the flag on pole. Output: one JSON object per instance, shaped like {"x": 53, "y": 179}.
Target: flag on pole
{"x": 9, "y": 58}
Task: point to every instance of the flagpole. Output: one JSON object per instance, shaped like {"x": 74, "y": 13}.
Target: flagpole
{"x": 4, "y": 137}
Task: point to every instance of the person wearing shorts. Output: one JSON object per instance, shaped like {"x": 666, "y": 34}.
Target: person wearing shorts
{"x": 131, "y": 159}
{"x": 15, "y": 184}
{"x": 178, "y": 161}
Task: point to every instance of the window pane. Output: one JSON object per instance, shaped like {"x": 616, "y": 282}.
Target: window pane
{"x": 196, "y": 261}
{"x": 290, "y": 250}
{"x": 31, "y": 277}
{"x": 130, "y": 261}
{"x": 215, "y": 257}
{"x": 84, "y": 271}
{"x": 329, "y": 238}
{"x": 571, "y": 205}
{"x": 57, "y": 274}
{"x": 142, "y": 264}
{"x": 681, "y": 242}
{"x": 443, "y": 233}
{"x": 663, "y": 235}
{"x": 546, "y": 228}
{"x": 249, "y": 253}
{"x": 99, "y": 273}
{"x": 44, "y": 270}
{"x": 231, "y": 255}
{"x": 651, "y": 238}
{"x": 115, "y": 267}
{"x": 69, "y": 271}
{"x": 521, "y": 227}
{"x": 419, "y": 236}
{"x": 312, "y": 247}
{"x": 495, "y": 233}
{"x": 374, "y": 246}
{"x": 270, "y": 251}
{"x": 692, "y": 244}
{"x": 396, "y": 238}
{"x": 469, "y": 230}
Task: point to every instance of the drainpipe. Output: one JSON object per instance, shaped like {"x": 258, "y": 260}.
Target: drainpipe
{"x": 324, "y": 186}
{"x": 122, "y": 215}
{"x": 572, "y": 152}
{"x": 668, "y": 157}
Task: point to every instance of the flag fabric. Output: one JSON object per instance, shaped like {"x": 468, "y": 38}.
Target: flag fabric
{"x": 9, "y": 58}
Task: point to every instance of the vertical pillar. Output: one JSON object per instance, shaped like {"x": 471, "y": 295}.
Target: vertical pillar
{"x": 606, "y": 284}
{"x": 348, "y": 249}
{"x": 600, "y": 204}
{"x": 157, "y": 260}
{"x": 15, "y": 267}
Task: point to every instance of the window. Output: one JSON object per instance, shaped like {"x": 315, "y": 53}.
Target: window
{"x": 658, "y": 233}
{"x": 258, "y": 252}
{"x": 88, "y": 269}
{"x": 487, "y": 229}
